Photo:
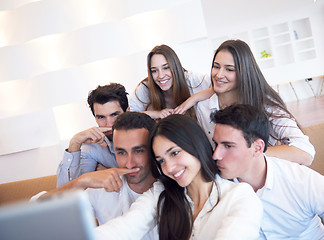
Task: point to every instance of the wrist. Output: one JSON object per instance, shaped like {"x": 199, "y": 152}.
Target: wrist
{"x": 74, "y": 147}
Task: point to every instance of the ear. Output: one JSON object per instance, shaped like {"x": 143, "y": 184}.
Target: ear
{"x": 128, "y": 109}
{"x": 258, "y": 147}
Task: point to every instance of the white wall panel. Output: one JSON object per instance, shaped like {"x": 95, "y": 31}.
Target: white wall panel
{"x": 53, "y": 52}
{"x": 73, "y": 118}
{"x": 30, "y": 131}
{"x": 29, "y": 164}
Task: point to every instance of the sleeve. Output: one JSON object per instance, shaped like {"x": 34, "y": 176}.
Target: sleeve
{"x": 197, "y": 82}
{"x": 69, "y": 168}
{"x": 88, "y": 156}
{"x": 139, "y": 99}
{"x": 287, "y": 130}
{"x": 243, "y": 220}
{"x": 134, "y": 224}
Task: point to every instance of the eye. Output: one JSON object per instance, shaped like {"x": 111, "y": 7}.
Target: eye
{"x": 228, "y": 146}
{"x": 121, "y": 153}
{"x": 166, "y": 68}
{"x": 215, "y": 66}
{"x": 174, "y": 153}
{"x": 139, "y": 150}
{"x": 160, "y": 161}
{"x": 153, "y": 71}
{"x": 115, "y": 114}
{"x": 230, "y": 69}
{"x": 100, "y": 117}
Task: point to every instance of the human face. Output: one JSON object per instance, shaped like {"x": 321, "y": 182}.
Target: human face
{"x": 106, "y": 115}
{"x": 175, "y": 162}
{"x": 224, "y": 73}
{"x": 132, "y": 151}
{"x": 161, "y": 72}
{"x": 233, "y": 156}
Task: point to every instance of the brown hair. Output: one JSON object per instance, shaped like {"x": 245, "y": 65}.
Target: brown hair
{"x": 180, "y": 86}
{"x": 253, "y": 87}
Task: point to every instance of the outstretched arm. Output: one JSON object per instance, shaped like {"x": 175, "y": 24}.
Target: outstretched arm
{"x": 108, "y": 179}
{"x": 191, "y": 101}
{"x": 290, "y": 153}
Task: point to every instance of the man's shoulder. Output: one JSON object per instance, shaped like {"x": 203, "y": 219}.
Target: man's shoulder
{"x": 291, "y": 171}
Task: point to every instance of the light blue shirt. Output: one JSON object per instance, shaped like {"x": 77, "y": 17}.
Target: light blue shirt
{"x": 75, "y": 164}
{"x": 293, "y": 200}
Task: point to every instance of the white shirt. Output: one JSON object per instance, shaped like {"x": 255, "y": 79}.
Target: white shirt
{"x": 236, "y": 216}
{"x": 109, "y": 205}
{"x": 292, "y": 198}
{"x": 139, "y": 99}
{"x": 284, "y": 128}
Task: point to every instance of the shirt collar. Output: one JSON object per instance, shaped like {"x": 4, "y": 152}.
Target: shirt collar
{"x": 110, "y": 145}
{"x": 213, "y": 102}
{"x": 269, "y": 178}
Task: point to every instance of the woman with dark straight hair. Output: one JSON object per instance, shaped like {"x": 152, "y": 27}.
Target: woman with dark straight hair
{"x": 167, "y": 86}
{"x": 237, "y": 78}
{"x": 189, "y": 200}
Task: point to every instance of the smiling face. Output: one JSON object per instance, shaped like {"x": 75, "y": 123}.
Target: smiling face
{"x": 175, "y": 162}
{"x": 132, "y": 151}
{"x": 106, "y": 114}
{"x": 233, "y": 156}
{"x": 161, "y": 72}
{"x": 224, "y": 73}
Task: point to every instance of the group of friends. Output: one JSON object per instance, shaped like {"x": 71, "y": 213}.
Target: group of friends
{"x": 192, "y": 156}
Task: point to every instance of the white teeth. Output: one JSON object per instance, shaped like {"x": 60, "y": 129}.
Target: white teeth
{"x": 164, "y": 81}
{"x": 178, "y": 173}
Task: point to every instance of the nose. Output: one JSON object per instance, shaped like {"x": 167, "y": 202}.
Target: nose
{"x": 220, "y": 73}
{"x": 168, "y": 167}
{"x": 161, "y": 74}
{"x": 217, "y": 155}
{"x": 130, "y": 162}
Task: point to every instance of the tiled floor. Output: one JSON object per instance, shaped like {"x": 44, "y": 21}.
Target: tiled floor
{"x": 308, "y": 111}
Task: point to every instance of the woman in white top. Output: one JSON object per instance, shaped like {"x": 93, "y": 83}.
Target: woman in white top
{"x": 167, "y": 86}
{"x": 237, "y": 78}
{"x": 189, "y": 200}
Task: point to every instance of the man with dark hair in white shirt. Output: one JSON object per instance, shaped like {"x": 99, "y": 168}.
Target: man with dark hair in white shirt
{"x": 112, "y": 191}
{"x": 292, "y": 195}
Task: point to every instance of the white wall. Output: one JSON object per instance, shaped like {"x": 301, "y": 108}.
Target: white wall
{"x": 52, "y": 52}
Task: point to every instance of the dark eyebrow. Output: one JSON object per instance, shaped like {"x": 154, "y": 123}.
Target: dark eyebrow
{"x": 168, "y": 150}
{"x": 114, "y": 113}
{"x": 226, "y": 142}
{"x": 139, "y": 147}
{"x": 119, "y": 149}
{"x": 163, "y": 65}
{"x": 225, "y": 65}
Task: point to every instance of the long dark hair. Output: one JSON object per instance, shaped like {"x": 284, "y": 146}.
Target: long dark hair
{"x": 175, "y": 217}
{"x": 180, "y": 86}
{"x": 253, "y": 87}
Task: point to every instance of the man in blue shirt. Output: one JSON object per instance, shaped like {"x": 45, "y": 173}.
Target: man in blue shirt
{"x": 93, "y": 148}
{"x": 292, "y": 195}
